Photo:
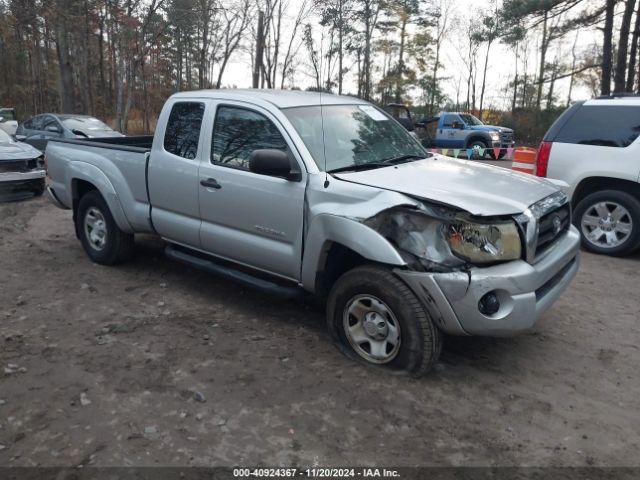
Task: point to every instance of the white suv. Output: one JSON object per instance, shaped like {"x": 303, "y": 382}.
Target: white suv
{"x": 594, "y": 146}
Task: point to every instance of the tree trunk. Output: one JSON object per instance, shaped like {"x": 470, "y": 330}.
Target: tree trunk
{"x": 623, "y": 44}
{"x": 543, "y": 58}
{"x": 607, "y": 48}
{"x": 340, "y": 52}
{"x": 515, "y": 90}
{"x": 399, "y": 82}
{"x": 484, "y": 79}
{"x": 257, "y": 67}
{"x": 66, "y": 73}
{"x": 635, "y": 41}
{"x": 573, "y": 67}
{"x": 366, "y": 87}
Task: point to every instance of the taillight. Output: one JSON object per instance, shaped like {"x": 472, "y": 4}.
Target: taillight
{"x": 542, "y": 158}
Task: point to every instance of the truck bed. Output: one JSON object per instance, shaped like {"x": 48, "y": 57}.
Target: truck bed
{"x": 116, "y": 165}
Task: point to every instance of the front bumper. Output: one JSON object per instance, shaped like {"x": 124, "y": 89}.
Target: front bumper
{"x": 503, "y": 145}
{"x": 22, "y": 176}
{"x": 525, "y": 291}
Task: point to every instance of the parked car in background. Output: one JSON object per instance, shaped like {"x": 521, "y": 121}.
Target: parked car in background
{"x": 21, "y": 168}
{"x": 38, "y": 130}
{"x": 402, "y": 114}
{"x": 8, "y": 120}
{"x": 295, "y": 191}
{"x": 465, "y": 131}
{"x": 455, "y": 130}
{"x": 594, "y": 146}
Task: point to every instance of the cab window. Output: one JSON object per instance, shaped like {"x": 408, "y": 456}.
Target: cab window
{"x": 182, "y": 134}
{"x": 449, "y": 120}
{"x": 237, "y": 132}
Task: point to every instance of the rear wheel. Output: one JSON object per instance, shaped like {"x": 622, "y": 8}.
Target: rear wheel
{"x": 375, "y": 318}
{"x": 609, "y": 222}
{"x": 101, "y": 237}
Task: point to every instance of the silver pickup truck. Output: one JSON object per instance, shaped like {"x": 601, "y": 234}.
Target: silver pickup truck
{"x": 297, "y": 191}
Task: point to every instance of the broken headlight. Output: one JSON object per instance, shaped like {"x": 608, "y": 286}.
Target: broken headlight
{"x": 442, "y": 239}
{"x": 480, "y": 243}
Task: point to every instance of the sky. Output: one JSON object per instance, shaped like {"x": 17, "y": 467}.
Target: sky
{"x": 500, "y": 66}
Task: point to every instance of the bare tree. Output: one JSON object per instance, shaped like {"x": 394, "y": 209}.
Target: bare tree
{"x": 607, "y": 48}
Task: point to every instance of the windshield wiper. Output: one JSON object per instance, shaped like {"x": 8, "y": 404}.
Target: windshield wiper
{"x": 359, "y": 167}
{"x": 402, "y": 159}
{"x": 379, "y": 164}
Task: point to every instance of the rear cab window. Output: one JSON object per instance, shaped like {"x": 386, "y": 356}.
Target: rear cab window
{"x": 615, "y": 126}
{"x": 182, "y": 134}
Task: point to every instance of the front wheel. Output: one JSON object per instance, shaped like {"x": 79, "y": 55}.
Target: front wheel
{"x": 479, "y": 149}
{"x": 101, "y": 237}
{"x": 375, "y": 318}
{"x": 609, "y": 222}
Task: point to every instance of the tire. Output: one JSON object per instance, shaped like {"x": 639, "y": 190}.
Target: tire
{"x": 621, "y": 234}
{"x": 419, "y": 340}
{"x": 478, "y": 144}
{"x": 109, "y": 245}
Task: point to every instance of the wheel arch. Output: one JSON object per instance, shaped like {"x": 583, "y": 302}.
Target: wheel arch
{"x": 484, "y": 138}
{"x": 85, "y": 178}
{"x": 337, "y": 244}
{"x": 590, "y": 185}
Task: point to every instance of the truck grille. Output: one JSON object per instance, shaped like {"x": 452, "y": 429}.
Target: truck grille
{"x": 506, "y": 137}
{"x": 18, "y": 165}
{"x": 551, "y": 226}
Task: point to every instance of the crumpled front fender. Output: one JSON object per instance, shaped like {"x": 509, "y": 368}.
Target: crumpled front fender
{"x": 327, "y": 228}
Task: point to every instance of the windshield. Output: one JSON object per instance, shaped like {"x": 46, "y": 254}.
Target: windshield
{"x": 7, "y": 114}
{"x": 354, "y": 135}
{"x": 469, "y": 119}
{"x": 84, "y": 124}
{"x": 4, "y": 137}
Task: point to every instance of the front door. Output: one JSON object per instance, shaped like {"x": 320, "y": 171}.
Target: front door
{"x": 451, "y": 137}
{"x": 253, "y": 219}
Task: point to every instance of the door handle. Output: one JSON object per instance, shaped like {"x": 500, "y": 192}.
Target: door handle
{"x": 210, "y": 183}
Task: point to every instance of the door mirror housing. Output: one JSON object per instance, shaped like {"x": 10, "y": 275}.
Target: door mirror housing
{"x": 274, "y": 163}
{"x": 53, "y": 129}
{"x": 21, "y": 138}
{"x": 457, "y": 125}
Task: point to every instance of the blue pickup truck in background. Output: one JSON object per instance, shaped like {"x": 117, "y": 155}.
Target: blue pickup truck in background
{"x": 455, "y": 130}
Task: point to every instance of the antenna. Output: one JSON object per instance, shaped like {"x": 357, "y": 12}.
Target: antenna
{"x": 324, "y": 148}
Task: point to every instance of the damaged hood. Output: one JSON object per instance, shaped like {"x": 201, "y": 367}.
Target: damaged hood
{"x": 17, "y": 151}
{"x": 481, "y": 190}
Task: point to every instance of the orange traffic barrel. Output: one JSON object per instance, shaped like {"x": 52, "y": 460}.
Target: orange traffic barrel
{"x": 524, "y": 161}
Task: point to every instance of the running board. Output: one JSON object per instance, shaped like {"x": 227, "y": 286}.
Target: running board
{"x": 232, "y": 274}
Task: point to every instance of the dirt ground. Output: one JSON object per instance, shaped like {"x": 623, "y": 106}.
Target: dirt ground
{"x": 153, "y": 363}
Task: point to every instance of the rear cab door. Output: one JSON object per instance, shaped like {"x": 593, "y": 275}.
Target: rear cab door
{"x": 172, "y": 176}
{"x": 251, "y": 219}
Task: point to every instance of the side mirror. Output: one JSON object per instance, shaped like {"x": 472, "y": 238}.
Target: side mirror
{"x": 53, "y": 129}
{"x": 1, "y": 119}
{"x": 274, "y": 163}
{"x": 457, "y": 125}
{"x": 21, "y": 138}
{"x": 78, "y": 133}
